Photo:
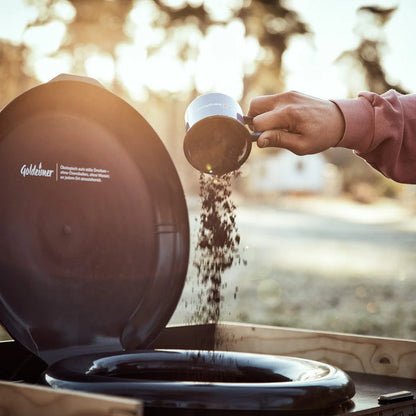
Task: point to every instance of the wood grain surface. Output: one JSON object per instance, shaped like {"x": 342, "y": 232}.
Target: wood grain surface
{"x": 28, "y": 400}
{"x": 363, "y": 354}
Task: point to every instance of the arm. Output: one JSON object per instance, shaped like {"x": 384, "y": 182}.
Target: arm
{"x": 381, "y": 129}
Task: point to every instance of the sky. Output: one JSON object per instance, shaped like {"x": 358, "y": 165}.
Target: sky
{"x": 226, "y": 52}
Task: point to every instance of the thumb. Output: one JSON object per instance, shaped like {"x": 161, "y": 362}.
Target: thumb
{"x": 279, "y": 138}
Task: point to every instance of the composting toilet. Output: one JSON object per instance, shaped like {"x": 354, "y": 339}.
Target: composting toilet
{"x": 94, "y": 245}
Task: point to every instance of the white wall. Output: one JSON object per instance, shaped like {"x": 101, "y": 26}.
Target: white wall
{"x": 287, "y": 172}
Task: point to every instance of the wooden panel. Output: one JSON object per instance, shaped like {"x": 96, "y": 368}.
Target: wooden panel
{"x": 27, "y": 400}
{"x": 364, "y": 354}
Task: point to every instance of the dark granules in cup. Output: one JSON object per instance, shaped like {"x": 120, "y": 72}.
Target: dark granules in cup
{"x": 217, "y": 247}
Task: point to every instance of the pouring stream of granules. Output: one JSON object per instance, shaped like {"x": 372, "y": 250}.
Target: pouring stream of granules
{"x": 217, "y": 247}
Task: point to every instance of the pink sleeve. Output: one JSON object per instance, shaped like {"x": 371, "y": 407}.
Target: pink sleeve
{"x": 382, "y": 130}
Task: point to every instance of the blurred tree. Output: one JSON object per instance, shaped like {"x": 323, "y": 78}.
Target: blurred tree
{"x": 268, "y": 21}
{"x": 273, "y": 25}
{"x": 367, "y": 57}
{"x": 98, "y": 27}
{"x": 14, "y": 77}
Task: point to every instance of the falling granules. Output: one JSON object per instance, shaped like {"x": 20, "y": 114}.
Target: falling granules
{"x": 217, "y": 247}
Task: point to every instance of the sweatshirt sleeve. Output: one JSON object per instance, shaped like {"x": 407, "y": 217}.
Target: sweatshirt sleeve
{"x": 382, "y": 130}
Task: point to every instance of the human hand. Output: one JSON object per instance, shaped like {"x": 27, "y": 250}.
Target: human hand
{"x": 297, "y": 122}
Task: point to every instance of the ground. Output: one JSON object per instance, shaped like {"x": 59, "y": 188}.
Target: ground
{"x": 316, "y": 263}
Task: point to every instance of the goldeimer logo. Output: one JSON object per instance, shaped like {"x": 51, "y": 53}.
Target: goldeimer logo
{"x": 34, "y": 170}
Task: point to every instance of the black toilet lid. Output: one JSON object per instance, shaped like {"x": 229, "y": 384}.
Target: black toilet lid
{"x": 94, "y": 235}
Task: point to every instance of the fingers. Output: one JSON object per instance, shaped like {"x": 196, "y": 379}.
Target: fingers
{"x": 277, "y": 121}
{"x": 259, "y": 105}
{"x": 284, "y": 118}
{"x": 283, "y": 139}
{"x": 265, "y": 103}
{"x": 279, "y": 111}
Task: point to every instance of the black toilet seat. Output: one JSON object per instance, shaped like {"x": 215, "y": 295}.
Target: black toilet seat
{"x": 182, "y": 379}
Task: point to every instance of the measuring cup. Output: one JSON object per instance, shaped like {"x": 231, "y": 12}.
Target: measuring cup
{"x": 216, "y": 140}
